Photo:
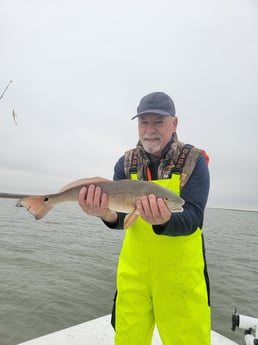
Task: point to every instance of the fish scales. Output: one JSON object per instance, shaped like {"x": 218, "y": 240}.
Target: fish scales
{"x": 122, "y": 196}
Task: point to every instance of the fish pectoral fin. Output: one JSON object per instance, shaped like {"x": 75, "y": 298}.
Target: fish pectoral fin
{"x": 130, "y": 219}
{"x": 83, "y": 181}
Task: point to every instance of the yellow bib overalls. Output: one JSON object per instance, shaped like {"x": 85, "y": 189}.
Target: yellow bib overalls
{"x": 160, "y": 280}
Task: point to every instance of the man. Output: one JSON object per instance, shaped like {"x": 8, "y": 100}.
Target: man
{"x": 162, "y": 277}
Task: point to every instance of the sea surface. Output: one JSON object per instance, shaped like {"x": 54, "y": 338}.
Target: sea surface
{"x": 61, "y": 270}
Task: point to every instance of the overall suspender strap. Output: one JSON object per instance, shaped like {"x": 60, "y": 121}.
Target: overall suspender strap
{"x": 178, "y": 168}
{"x": 133, "y": 167}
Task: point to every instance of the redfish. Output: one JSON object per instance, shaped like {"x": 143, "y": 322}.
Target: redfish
{"x": 122, "y": 197}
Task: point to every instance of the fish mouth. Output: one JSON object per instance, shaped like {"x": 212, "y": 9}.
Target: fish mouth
{"x": 178, "y": 209}
{"x": 175, "y": 208}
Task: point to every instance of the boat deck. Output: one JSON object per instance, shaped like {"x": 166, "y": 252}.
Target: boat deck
{"x": 99, "y": 331}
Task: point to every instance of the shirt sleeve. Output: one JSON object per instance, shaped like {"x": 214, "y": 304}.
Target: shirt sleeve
{"x": 119, "y": 171}
{"x": 195, "y": 193}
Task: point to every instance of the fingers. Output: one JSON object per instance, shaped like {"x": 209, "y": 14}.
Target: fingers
{"x": 82, "y": 196}
{"x": 92, "y": 201}
{"x": 153, "y": 210}
{"x": 95, "y": 203}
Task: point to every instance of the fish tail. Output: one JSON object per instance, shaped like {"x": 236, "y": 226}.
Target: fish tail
{"x": 38, "y": 206}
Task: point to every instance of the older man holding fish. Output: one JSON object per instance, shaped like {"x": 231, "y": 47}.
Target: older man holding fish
{"x": 162, "y": 276}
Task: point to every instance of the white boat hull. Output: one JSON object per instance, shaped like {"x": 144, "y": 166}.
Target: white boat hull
{"x": 100, "y": 331}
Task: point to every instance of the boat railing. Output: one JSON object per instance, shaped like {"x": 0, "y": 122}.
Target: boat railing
{"x": 248, "y": 324}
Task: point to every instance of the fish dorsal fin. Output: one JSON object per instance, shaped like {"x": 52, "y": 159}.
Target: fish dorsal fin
{"x": 82, "y": 181}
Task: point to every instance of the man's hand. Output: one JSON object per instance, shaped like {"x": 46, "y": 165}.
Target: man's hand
{"x": 153, "y": 210}
{"x": 95, "y": 203}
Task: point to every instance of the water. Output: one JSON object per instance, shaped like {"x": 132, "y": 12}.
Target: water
{"x": 60, "y": 271}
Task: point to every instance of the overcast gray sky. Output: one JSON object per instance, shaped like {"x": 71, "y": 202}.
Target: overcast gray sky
{"x": 79, "y": 69}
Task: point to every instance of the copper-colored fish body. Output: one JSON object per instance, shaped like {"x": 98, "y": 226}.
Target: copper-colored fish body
{"x": 122, "y": 196}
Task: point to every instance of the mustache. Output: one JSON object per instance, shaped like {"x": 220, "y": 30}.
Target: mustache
{"x": 151, "y": 136}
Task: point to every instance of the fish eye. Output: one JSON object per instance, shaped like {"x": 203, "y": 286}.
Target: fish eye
{"x": 45, "y": 200}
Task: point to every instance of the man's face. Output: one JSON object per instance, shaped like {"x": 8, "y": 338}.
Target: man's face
{"x": 155, "y": 131}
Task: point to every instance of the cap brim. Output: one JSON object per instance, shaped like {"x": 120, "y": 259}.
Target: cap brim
{"x": 153, "y": 111}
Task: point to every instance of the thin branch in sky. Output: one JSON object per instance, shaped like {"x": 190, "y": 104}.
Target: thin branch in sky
{"x": 2, "y": 95}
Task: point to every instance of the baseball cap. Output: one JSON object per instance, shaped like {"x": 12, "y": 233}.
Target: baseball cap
{"x": 156, "y": 103}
